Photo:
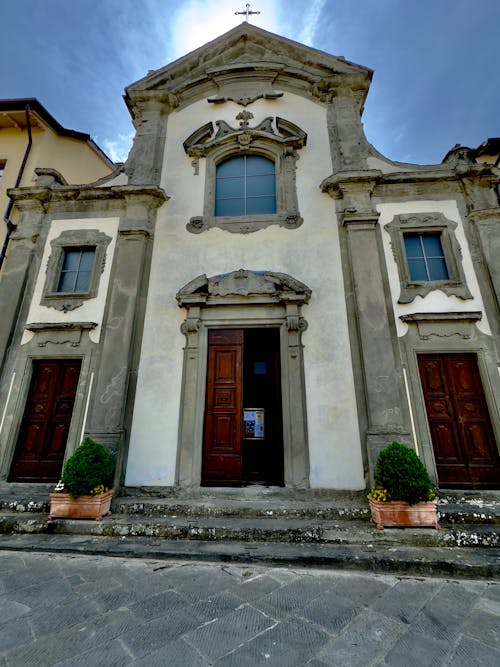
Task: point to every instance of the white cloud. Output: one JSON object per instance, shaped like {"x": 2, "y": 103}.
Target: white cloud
{"x": 199, "y": 21}
{"x": 309, "y": 22}
{"x": 118, "y": 149}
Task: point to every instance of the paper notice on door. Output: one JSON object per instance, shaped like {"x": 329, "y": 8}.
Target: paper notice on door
{"x": 253, "y": 419}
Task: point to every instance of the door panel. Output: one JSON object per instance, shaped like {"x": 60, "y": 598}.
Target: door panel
{"x": 222, "y": 443}
{"x": 45, "y": 425}
{"x": 462, "y": 436}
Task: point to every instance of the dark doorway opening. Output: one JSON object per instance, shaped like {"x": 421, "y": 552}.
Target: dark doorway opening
{"x": 243, "y": 416}
{"x": 41, "y": 444}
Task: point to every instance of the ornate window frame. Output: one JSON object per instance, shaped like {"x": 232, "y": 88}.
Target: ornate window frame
{"x": 274, "y": 138}
{"x": 73, "y": 238}
{"x": 435, "y": 223}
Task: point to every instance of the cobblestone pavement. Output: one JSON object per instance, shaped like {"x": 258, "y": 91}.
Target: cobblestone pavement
{"x": 92, "y": 610}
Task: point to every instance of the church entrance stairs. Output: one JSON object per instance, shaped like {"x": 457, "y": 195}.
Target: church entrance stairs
{"x": 255, "y": 516}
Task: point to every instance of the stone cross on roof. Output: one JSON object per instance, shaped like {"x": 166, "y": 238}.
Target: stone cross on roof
{"x": 247, "y": 12}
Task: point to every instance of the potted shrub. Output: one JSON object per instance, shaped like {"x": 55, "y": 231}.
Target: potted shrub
{"x": 404, "y": 494}
{"x": 83, "y": 492}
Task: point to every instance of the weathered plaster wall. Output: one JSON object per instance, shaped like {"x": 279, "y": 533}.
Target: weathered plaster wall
{"x": 310, "y": 254}
{"x": 91, "y": 310}
{"x": 436, "y": 301}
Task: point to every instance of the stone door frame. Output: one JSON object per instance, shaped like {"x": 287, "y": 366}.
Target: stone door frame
{"x": 261, "y": 303}
{"x": 447, "y": 333}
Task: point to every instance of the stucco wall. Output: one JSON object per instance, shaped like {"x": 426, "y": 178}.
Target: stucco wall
{"x": 310, "y": 253}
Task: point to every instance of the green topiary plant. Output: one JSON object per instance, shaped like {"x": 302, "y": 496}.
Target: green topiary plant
{"x": 402, "y": 475}
{"x": 89, "y": 470}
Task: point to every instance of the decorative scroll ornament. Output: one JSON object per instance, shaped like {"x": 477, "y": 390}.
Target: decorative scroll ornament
{"x": 278, "y": 130}
{"x": 267, "y": 285}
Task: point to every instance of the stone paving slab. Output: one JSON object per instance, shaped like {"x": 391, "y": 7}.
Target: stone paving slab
{"x": 194, "y": 614}
{"x": 441, "y": 561}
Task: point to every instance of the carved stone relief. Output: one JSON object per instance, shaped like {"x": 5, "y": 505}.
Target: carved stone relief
{"x": 275, "y": 138}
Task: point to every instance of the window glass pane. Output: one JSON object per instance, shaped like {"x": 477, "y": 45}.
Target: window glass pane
{"x": 67, "y": 282}
{"x": 71, "y": 259}
{"x": 413, "y": 245}
{"x": 241, "y": 179}
{"x": 76, "y": 270}
{"x": 83, "y": 281}
{"x": 432, "y": 245}
{"x": 230, "y": 207}
{"x": 257, "y": 165}
{"x": 417, "y": 269}
{"x": 87, "y": 259}
{"x": 230, "y": 187}
{"x": 261, "y": 205}
{"x": 260, "y": 185}
{"x": 437, "y": 269}
{"x": 235, "y": 166}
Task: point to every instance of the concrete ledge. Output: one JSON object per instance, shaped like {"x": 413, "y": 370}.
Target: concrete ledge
{"x": 466, "y": 563}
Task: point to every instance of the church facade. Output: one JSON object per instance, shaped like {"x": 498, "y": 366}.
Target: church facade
{"x": 257, "y": 296}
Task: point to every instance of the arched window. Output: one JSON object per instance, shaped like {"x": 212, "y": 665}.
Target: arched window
{"x": 245, "y": 185}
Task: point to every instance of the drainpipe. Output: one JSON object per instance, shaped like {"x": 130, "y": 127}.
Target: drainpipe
{"x": 10, "y": 225}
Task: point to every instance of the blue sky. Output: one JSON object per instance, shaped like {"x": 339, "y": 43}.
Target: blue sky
{"x": 436, "y": 81}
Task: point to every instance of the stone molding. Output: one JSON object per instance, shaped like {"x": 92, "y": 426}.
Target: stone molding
{"x": 274, "y": 138}
{"x": 254, "y": 299}
{"x": 73, "y": 238}
{"x": 70, "y": 198}
{"x": 254, "y": 286}
{"x": 244, "y": 64}
{"x": 205, "y": 139}
{"x": 456, "y": 284}
{"x": 60, "y": 333}
{"x": 443, "y": 325}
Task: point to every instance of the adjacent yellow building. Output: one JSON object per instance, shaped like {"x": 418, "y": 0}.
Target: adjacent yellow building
{"x": 31, "y": 138}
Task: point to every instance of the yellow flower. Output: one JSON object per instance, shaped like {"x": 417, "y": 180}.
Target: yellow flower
{"x": 379, "y": 494}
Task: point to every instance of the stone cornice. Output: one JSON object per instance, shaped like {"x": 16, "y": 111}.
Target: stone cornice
{"x": 344, "y": 181}
{"x": 25, "y": 197}
{"x": 485, "y": 215}
{"x": 471, "y": 316}
{"x": 248, "y": 56}
{"x": 35, "y": 327}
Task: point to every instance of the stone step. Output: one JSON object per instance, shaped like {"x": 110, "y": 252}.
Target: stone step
{"x": 230, "y": 529}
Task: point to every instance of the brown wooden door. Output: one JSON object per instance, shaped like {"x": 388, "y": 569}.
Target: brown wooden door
{"x": 222, "y": 460}
{"x": 47, "y": 416}
{"x": 462, "y": 436}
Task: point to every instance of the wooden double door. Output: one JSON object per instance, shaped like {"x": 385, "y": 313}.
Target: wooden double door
{"x": 41, "y": 444}
{"x": 243, "y": 383}
{"x": 464, "y": 444}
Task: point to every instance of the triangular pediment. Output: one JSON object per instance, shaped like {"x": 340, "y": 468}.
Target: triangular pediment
{"x": 247, "y": 54}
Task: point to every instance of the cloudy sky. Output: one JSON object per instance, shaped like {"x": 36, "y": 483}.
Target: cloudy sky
{"x": 436, "y": 82}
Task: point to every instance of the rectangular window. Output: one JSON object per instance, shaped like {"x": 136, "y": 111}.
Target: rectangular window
{"x": 2, "y": 168}
{"x": 76, "y": 270}
{"x": 425, "y": 257}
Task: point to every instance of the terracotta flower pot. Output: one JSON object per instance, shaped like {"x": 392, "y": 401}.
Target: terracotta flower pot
{"x": 401, "y": 514}
{"x": 62, "y": 505}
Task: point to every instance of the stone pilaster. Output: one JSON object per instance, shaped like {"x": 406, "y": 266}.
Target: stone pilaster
{"x": 381, "y": 367}
{"x": 297, "y": 468}
{"x": 150, "y": 116}
{"x": 111, "y": 403}
{"x": 344, "y": 96}
{"x": 19, "y": 270}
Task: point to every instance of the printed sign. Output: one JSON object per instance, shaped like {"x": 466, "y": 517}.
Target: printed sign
{"x": 253, "y": 419}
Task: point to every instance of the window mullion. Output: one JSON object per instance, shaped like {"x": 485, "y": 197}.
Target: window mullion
{"x": 245, "y": 183}
{"x": 421, "y": 239}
